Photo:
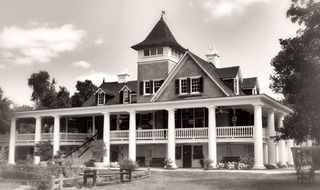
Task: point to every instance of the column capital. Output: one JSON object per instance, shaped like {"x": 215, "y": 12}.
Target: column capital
{"x": 270, "y": 111}
{"x": 132, "y": 111}
{"x": 171, "y": 109}
{"x": 257, "y": 105}
{"x": 105, "y": 113}
{"x": 56, "y": 116}
{"x": 211, "y": 106}
{"x": 37, "y": 117}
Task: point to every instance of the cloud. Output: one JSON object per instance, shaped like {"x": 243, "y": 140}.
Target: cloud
{"x": 83, "y": 64}
{"x": 222, "y": 8}
{"x": 38, "y": 44}
{"x": 97, "y": 77}
{"x": 3, "y": 66}
{"x": 99, "y": 41}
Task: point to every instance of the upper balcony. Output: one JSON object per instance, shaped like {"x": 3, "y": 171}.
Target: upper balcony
{"x": 183, "y": 135}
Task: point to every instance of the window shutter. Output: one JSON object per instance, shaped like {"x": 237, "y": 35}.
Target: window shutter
{"x": 201, "y": 84}
{"x": 141, "y": 88}
{"x": 121, "y": 97}
{"x": 188, "y": 85}
{"x": 177, "y": 86}
{"x": 96, "y": 98}
{"x": 151, "y": 87}
{"x": 105, "y": 98}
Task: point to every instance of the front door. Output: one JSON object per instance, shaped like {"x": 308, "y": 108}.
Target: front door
{"x": 187, "y": 153}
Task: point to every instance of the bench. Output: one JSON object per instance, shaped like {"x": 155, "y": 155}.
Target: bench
{"x": 305, "y": 173}
{"x": 226, "y": 159}
{"x": 157, "y": 162}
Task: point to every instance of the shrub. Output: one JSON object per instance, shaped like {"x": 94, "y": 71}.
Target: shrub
{"x": 270, "y": 166}
{"x": 98, "y": 149}
{"x": 127, "y": 164}
{"x": 168, "y": 163}
{"x": 89, "y": 163}
{"x": 207, "y": 163}
{"x": 43, "y": 149}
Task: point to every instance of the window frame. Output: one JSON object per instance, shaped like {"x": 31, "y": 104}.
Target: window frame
{"x": 199, "y": 156}
{"x": 180, "y": 85}
{"x": 154, "y": 86}
{"x": 124, "y": 97}
{"x": 199, "y": 81}
{"x": 144, "y": 87}
{"x": 103, "y": 96}
{"x": 158, "y": 51}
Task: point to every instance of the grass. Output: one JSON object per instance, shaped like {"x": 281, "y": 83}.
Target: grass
{"x": 215, "y": 181}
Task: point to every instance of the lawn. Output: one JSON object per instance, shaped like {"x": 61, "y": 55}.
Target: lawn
{"x": 215, "y": 181}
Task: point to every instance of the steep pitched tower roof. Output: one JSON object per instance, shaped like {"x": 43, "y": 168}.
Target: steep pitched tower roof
{"x": 160, "y": 35}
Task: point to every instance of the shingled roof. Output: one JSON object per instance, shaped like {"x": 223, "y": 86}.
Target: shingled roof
{"x": 249, "y": 83}
{"x": 227, "y": 72}
{"x": 160, "y": 35}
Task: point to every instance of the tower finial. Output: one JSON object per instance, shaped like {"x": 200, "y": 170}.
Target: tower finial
{"x": 163, "y": 13}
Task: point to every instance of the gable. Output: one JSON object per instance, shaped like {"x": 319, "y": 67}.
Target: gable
{"x": 190, "y": 69}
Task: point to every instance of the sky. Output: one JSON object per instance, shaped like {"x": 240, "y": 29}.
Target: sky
{"x": 91, "y": 39}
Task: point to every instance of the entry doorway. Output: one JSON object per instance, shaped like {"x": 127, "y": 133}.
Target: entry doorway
{"x": 187, "y": 156}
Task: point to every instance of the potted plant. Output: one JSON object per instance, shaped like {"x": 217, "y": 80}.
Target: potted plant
{"x": 98, "y": 150}
{"x": 126, "y": 168}
{"x": 207, "y": 164}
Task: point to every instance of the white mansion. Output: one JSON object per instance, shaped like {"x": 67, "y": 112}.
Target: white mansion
{"x": 181, "y": 107}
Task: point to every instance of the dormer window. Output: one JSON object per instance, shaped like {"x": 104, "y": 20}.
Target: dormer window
{"x": 195, "y": 85}
{"x": 156, "y": 85}
{"x": 101, "y": 99}
{"x": 153, "y": 51}
{"x": 184, "y": 86}
{"x": 147, "y": 87}
{"x": 126, "y": 98}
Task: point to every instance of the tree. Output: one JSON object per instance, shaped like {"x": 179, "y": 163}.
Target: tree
{"x": 63, "y": 98}
{"x": 5, "y": 113}
{"x": 297, "y": 72}
{"x": 84, "y": 91}
{"x": 44, "y": 93}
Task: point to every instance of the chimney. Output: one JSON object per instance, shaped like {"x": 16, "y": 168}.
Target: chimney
{"x": 212, "y": 56}
{"x": 123, "y": 77}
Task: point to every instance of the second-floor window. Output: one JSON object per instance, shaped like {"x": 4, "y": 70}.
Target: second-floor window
{"x": 191, "y": 85}
{"x": 236, "y": 86}
{"x": 153, "y": 51}
{"x": 147, "y": 87}
{"x": 100, "y": 98}
{"x": 156, "y": 85}
{"x": 126, "y": 99}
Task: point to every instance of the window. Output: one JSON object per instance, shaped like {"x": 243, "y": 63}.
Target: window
{"x": 153, "y": 51}
{"x": 126, "y": 96}
{"x": 200, "y": 117}
{"x": 183, "y": 86}
{"x": 187, "y": 118}
{"x": 100, "y": 98}
{"x": 178, "y": 152}
{"x": 197, "y": 152}
{"x": 146, "y": 52}
{"x": 195, "y": 85}
{"x": 156, "y": 85}
{"x": 160, "y": 50}
{"x": 147, "y": 87}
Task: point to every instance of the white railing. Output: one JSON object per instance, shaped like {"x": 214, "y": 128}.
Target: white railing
{"x": 64, "y": 137}
{"x": 74, "y": 137}
{"x": 25, "y": 138}
{"x": 235, "y": 132}
{"x": 151, "y": 134}
{"x": 47, "y": 136}
{"x": 4, "y": 138}
{"x": 119, "y": 135}
{"x": 192, "y": 133}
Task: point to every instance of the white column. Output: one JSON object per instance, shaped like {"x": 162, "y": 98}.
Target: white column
{"x": 212, "y": 136}
{"x": 93, "y": 125}
{"x": 272, "y": 133}
{"x": 132, "y": 136}
{"x": 37, "y": 137}
{"x": 265, "y": 153}
{"x": 171, "y": 138}
{"x": 277, "y": 152}
{"x": 12, "y": 142}
{"x": 282, "y": 152}
{"x": 289, "y": 152}
{"x": 56, "y": 135}
{"x": 258, "y": 142}
{"x": 106, "y": 137}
